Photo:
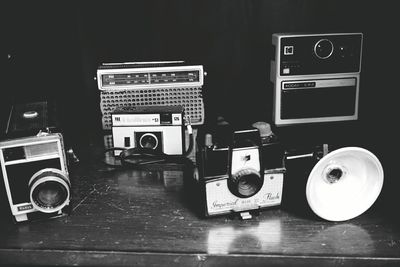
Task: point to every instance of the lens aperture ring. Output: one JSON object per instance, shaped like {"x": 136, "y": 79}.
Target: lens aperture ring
{"x": 245, "y": 182}
{"x": 49, "y": 190}
{"x": 148, "y": 140}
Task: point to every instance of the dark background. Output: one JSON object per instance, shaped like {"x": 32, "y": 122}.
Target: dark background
{"x": 51, "y": 51}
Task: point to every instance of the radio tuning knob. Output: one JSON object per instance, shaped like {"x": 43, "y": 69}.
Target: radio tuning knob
{"x": 323, "y": 49}
{"x": 345, "y": 51}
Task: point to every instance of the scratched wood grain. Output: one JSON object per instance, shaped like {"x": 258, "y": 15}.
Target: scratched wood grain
{"x": 120, "y": 216}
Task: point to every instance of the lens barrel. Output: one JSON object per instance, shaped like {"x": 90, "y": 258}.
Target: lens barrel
{"x": 49, "y": 190}
{"x": 245, "y": 183}
{"x": 148, "y": 140}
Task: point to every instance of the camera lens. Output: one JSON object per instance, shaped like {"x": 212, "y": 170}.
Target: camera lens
{"x": 323, "y": 48}
{"x": 49, "y": 194}
{"x": 148, "y": 140}
{"x": 245, "y": 183}
{"x": 49, "y": 190}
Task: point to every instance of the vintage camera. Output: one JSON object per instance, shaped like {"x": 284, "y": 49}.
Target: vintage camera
{"x": 316, "y": 77}
{"x": 158, "y": 128}
{"x": 34, "y": 169}
{"x": 34, "y": 163}
{"x": 239, "y": 171}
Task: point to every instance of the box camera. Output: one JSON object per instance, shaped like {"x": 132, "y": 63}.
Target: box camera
{"x": 27, "y": 119}
{"x": 35, "y": 174}
{"x": 312, "y": 73}
{"x": 159, "y": 128}
{"x": 242, "y": 174}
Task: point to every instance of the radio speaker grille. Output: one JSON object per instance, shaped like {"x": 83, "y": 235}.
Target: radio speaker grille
{"x": 166, "y": 83}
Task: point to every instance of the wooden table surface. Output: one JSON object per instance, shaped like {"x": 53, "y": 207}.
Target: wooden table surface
{"x": 126, "y": 217}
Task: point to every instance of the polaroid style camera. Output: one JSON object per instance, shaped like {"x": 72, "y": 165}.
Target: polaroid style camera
{"x": 241, "y": 175}
{"x": 316, "y": 77}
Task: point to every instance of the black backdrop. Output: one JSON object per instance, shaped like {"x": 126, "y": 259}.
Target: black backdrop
{"x": 51, "y": 50}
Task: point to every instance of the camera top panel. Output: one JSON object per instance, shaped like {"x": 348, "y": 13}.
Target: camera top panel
{"x": 304, "y": 54}
{"x": 148, "y": 109}
{"x": 148, "y": 115}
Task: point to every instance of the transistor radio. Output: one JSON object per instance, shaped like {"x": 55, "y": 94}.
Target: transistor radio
{"x": 167, "y": 83}
{"x": 316, "y": 77}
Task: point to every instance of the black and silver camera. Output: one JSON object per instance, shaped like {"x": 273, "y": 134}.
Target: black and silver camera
{"x": 34, "y": 164}
{"x": 35, "y": 176}
{"x": 240, "y": 171}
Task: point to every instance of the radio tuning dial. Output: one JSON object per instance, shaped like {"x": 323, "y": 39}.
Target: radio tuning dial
{"x": 323, "y": 49}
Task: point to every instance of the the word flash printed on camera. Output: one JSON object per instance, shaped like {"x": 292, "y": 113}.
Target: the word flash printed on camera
{"x": 344, "y": 184}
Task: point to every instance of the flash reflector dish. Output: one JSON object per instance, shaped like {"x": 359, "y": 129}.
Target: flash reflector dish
{"x": 344, "y": 184}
